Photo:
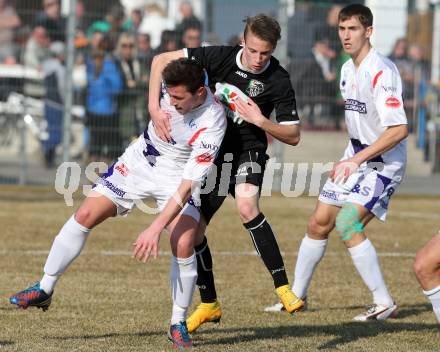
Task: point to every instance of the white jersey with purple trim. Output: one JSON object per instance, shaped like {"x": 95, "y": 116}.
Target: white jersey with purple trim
{"x": 373, "y": 102}
{"x": 150, "y": 167}
{"x": 196, "y": 138}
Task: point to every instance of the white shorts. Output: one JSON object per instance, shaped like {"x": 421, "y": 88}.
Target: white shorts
{"x": 133, "y": 178}
{"x": 368, "y": 189}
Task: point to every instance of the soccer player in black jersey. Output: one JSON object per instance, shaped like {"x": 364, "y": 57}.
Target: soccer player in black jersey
{"x": 251, "y": 83}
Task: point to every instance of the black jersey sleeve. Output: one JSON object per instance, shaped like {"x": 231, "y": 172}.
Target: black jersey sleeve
{"x": 285, "y": 102}
{"x": 214, "y": 59}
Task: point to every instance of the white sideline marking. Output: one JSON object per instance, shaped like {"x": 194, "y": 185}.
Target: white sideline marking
{"x": 215, "y": 253}
{"x": 255, "y": 254}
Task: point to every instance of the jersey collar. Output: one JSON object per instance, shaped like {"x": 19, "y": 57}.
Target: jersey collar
{"x": 241, "y": 67}
{"x": 365, "y": 61}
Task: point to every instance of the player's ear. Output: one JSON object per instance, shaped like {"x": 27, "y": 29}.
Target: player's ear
{"x": 369, "y": 32}
{"x": 200, "y": 91}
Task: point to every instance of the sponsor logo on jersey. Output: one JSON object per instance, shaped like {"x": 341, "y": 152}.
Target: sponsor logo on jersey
{"x": 389, "y": 89}
{"x": 209, "y": 146}
{"x": 242, "y": 74}
{"x": 254, "y": 88}
{"x": 195, "y": 136}
{"x": 191, "y": 201}
{"x": 204, "y": 158}
{"x": 392, "y": 102}
{"x": 123, "y": 169}
{"x": 354, "y": 105}
{"x": 192, "y": 124}
{"x": 242, "y": 171}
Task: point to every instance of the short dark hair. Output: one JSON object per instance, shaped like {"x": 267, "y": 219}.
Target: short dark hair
{"x": 264, "y": 27}
{"x": 184, "y": 72}
{"x": 363, "y": 13}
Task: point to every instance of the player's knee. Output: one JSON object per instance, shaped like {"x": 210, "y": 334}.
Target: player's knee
{"x": 182, "y": 246}
{"x": 247, "y": 211}
{"x": 318, "y": 228}
{"x": 84, "y": 217}
{"x": 423, "y": 268}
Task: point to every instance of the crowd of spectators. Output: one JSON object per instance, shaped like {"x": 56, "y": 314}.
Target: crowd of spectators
{"x": 114, "y": 54}
{"x": 112, "y": 64}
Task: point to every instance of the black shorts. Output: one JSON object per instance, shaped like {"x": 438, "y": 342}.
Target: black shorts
{"x": 232, "y": 169}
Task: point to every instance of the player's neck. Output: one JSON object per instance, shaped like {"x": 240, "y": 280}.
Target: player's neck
{"x": 361, "y": 54}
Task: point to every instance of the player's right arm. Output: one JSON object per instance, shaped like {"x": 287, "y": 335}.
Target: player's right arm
{"x": 160, "y": 119}
{"x": 148, "y": 240}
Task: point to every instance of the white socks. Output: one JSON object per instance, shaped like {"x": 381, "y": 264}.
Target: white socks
{"x": 434, "y": 297}
{"x": 309, "y": 255}
{"x": 183, "y": 277}
{"x": 65, "y": 248}
{"x": 367, "y": 264}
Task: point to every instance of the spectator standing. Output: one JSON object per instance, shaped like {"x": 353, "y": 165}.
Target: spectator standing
{"x": 132, "y": 100}
{"x": 154, "y": 23}
{"x": 35, "y": 52}
{"x": 192, "y": 37}
{"x": 132, "y": 23}
{"x": 104, "y": 83}
{"x": 9, "y": 22}
{"x": 144, "y": 51}
{"x": 54, "y": 79}
{"x": 314, "y": 81}
{"x": 169, "y": 41}
{"x": 329, "y": 30}
{"x": 50, "y": 18}
{"x": 111, "y": 26}
{"x": 188, "y": 20}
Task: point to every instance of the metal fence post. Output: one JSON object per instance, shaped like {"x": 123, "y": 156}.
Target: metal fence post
{"x": 70, "y": 59}
{"x": 22, "y": 179}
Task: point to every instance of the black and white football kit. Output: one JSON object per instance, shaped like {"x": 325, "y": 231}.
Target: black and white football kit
{"x": 270, "y": 89}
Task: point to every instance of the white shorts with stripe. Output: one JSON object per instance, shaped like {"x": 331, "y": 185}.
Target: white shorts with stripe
{"x": 137, "y": 176}
{"x": 366, "y": 188}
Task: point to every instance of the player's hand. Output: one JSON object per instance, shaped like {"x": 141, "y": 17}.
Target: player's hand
{"x": 161, "y": 124}
{"x": 248, "y": 111}
{"x": 342, "y": 171}
{"x": 146, "y": 243}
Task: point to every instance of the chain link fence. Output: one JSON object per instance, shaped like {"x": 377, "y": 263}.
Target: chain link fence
{"x": 114, "y": 43}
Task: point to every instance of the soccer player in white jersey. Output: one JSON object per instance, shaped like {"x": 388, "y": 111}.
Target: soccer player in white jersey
{"x": 361, "y": 184}
{"x": 427, "y": 270}
{"x": 169, "y": 172}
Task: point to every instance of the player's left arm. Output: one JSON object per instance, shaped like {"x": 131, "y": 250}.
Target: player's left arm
{"x": 205, "y": 145}
{"x": 392, "y": 136}
{"x": 148, "y": 241}
{"x": 250, "y": 112}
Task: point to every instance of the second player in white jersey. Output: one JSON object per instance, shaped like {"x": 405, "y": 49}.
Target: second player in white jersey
{"x": 361, "y": 184}
{"x": 373, "y": 102}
